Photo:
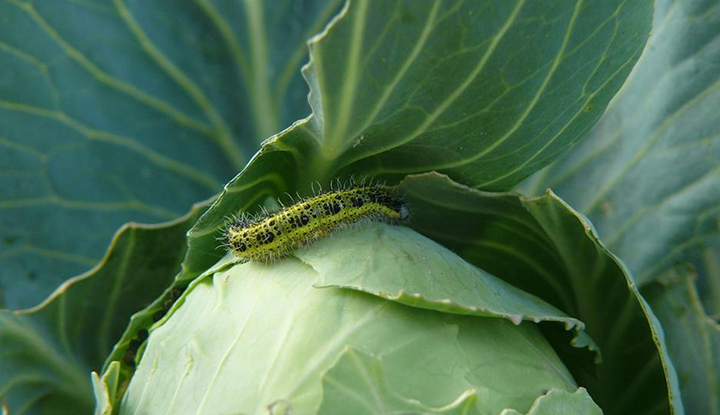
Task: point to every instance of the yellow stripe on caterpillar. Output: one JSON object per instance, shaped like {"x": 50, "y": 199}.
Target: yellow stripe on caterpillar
{"x": 278, "y": 234}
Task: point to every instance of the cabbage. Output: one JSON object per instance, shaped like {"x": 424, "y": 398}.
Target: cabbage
{"x": 328, "y": 331}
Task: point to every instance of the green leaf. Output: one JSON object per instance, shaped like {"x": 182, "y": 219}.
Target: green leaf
{"x": 560, "y": 402}
{"x": 451, "y": 286}
{"x": 49, "y": 351}
{"x": 487, "y": 92}
{"x": 648, "y": 176}
{"x": 114, "y": 111}
{"x": 288, "y": 162}
{"x": 291, "y": 160}
{"x": 542, "y": 246}
{"x": 708, "y": 269}
{"x": 232, "y": 339}
{"x": 538, "y": 245}
{"x": 104, "y": 389}
{"x": 432, "y": 277}
{"x": 412, "y": 72}
{"x": 356, "y": 385}
{"x": 693, "y": 339}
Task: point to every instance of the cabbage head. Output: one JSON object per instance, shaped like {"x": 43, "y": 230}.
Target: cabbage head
{"x": 374, "y": 320}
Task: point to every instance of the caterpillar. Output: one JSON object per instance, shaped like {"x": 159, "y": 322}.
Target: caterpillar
{"x": 272, "y": 236}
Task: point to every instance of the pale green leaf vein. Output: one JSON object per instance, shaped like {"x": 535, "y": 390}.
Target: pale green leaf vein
{"x": 601, "y": 194}
{"x": 223, "y": 359}
{"x": 477, "y": 70}
{"x": 127, "y": 142}
{"x": 400, "y": 74}
{"x": 107, "y": 79}
{"x": 333, "y": 139}
{"x": 266, "y": 113}
{"x": 533, "y": 102}
{"x": 223, "y": 137}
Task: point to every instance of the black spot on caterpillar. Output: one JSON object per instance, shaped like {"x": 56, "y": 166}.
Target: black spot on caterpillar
{"x": 272, "y": 236}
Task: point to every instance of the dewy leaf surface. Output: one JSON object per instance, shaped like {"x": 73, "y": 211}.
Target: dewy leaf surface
{"x": 356, "y": 385}
{"x": 543, "y": 247}
{"x": 649, "y": 174}
{"x": 693, "y": 339}
{"x": 47, "y": 352}
{"x": 114, "y": 111}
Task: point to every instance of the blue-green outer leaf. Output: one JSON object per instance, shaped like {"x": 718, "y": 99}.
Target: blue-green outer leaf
{"x": 648, "y": 174}
{"x": 114, "y": 111}
{"x": 693, "y": 338}
{"x": 47, "y": 353}
{"x": 545, "y": 248}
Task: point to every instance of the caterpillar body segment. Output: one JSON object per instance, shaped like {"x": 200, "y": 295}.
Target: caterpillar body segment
{"x": 273, "y": 236}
